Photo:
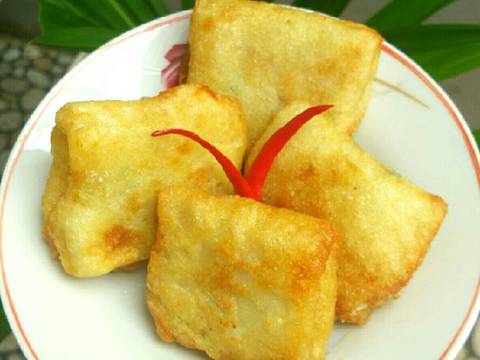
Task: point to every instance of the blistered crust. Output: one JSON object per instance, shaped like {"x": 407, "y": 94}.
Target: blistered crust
{"x": 99, "y": 202}
{"x": 267, "y": 55}
{"x": 386, "y": 223}
{"x": 239, "y": 279}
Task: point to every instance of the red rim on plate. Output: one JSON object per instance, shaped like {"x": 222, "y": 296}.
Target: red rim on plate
{"x": 464, "y": 327}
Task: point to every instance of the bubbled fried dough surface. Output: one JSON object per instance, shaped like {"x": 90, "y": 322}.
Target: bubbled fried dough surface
{"x": 100, "y": 199}
{"x": 268, "y": 55}
{"x": 239, "y": 279}
{"x": 386, "y": 223}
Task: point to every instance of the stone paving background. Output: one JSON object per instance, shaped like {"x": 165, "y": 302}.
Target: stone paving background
{"x": 27, "y": 72}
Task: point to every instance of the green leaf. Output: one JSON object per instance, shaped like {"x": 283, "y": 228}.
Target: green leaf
{"x": 4, "y": 327}
{"x": 159, "y": 7}
{"x": 434, "y": 37}
{"x": 53, "y": 16}
{"x": 84, "y": 38}
{"x": 98, "y": 13}
{"x": 442, "y": 50}
{"x": 476, "y": 135}
{"x": 65, "y": 21}
{"x": 107, "y": 17}
{"x": 444, "y": 64}
{"x": 141, "y": 9}
{"x": 187, "y": 4}
{"x": 120, "y": 10}
{"x": 331, "y": 7}
{"x": 404, "y": 13}
{"x": 60, "y": 11}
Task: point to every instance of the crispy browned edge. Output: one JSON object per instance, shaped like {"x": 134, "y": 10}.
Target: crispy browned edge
{"x": 392, "y": 291}
{"x": 165, "y": 334}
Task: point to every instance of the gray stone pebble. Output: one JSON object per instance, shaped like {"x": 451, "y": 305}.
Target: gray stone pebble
{"x": 462, "y": 354}
{"x": 11, "y": 54}
{"x": 3, "y": 105}
{"x": 4, "y": 141}
{"x": 5, "y": 69}
{"x": 14, "y": 86}
{"x": 43, "y": 64}
{"x": 476, "y": 339}
{"x": 22, "y": 63}
{"x": 58, "y": 70}
{"x": 52, "y": 53}
{"x": 16, "y": 42}
{"x": 38, "y": 78}
{"x": 65, "y": 59}
{"x": 15, "y": 356}
{"x": 18, "y": 72}
{"x": 10, "y": 120}
{"x": 10, "y": 99}
{"x": 32, "y": 52}
{"x": 10, "y": 343}
{"x": 14, "y": 137}
{"x": 31, "y": 99}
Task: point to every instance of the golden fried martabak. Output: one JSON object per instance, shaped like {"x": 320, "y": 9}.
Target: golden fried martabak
{"x": 385, "y": 223}
{"x": 239, "y": 279}
{"x": 267, "y": 55}
{"x": 100, "y": 199}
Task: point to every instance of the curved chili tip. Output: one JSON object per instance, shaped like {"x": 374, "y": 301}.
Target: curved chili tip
{"x": 241, "y": 186}
{"x": 264, "y": 159}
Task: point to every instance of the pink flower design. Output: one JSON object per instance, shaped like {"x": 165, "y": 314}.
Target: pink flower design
{"x": 170, "y": 73}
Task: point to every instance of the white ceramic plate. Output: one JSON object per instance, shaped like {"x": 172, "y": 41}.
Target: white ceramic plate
{"x": 426, "y": 140}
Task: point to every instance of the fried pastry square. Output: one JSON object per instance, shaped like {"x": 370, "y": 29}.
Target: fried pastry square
{"x": 384, "y": 222}
{"x": 100, "y": 199}
{"x": 268, "y": 55}
{"x": 239, "y": 279}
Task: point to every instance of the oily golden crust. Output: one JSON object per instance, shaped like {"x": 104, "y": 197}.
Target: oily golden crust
{"x": 240, "y": 279}
{"x": 99, "y": 203}
{"x": 267, "y": 55}
{"x": 386, "y": 223}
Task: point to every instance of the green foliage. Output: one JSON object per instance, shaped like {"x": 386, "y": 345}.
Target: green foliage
{"x": 399, "y": 14}
{"x": 87, "y": 24}
{"x": 476, "y": 134}
{"x": 4, "y": 328}
{"x": 444, "y": 50}
{"x": 331, "y": 7}
{"x": 187, "y": 4}
{"x": 85, "y": 38}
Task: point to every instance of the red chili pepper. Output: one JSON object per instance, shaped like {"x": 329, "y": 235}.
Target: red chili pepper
{"x": 236, "y": 178}
{"x": 263, "y": 161}
{"x": 252, "y": 186}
